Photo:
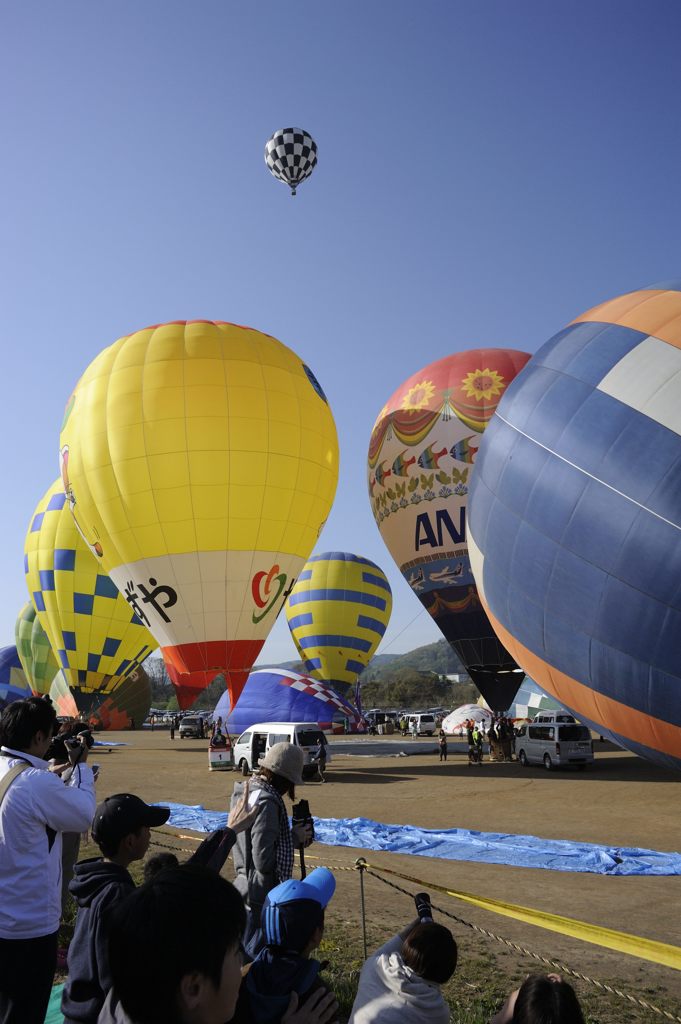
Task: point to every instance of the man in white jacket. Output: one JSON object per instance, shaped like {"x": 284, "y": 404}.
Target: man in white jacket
{"x": 400, "y": 983}
{"x": 35, "y": 808}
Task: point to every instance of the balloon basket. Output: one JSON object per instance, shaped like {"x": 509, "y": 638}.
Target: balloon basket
{"x": 220, "y": 759}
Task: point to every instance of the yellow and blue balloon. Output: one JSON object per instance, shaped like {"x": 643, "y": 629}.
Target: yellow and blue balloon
{"x": 337, "y": 612}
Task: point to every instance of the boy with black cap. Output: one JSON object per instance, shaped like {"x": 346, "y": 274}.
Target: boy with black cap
{"x": 121, "y": 830}
{"x": 293, "y": 926}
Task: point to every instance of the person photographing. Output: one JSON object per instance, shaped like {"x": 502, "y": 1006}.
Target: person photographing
{"x": 36, "y": 806}
{"x": 263, "y": 855}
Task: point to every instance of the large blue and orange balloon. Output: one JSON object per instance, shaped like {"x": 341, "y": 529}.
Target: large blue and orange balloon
{"x": 575, "y": 520}
{"x": 338, "y": 612}
{"x": 421, "y": 460}
{"x": 200, "y": 461}
{"x": 278, "y": 695}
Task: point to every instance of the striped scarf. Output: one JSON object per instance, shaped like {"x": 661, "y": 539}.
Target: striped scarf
{"x": 284, "y": 849}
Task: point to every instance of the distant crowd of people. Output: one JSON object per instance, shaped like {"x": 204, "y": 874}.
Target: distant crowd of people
{"x": 187, "y": 946}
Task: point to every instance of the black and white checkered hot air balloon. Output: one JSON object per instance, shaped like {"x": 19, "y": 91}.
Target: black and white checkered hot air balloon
{"x": 291, "y": 156}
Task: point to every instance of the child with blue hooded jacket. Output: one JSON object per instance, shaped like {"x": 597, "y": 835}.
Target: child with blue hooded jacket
{"x": 293, "y": 925}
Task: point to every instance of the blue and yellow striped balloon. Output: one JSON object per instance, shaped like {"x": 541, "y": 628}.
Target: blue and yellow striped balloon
{"x": 13, "y": 682}
{"x": 93, "y": 631}
{"x": 337, "y": 612}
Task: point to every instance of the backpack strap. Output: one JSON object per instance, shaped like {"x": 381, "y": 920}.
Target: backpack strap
{"x": 7, "y": 779}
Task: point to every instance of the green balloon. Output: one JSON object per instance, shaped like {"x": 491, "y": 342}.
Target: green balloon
{"x": 35, "y": 653}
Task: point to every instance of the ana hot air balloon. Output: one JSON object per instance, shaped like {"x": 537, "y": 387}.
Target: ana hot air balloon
{"x": 126, "y": 707}
{"x": 94, "y": 632}
{"x": 291, "y": 156}
{"x": 575, "y": 526}
{"x": 200, "y": 461}
{"x": 337, "y": 612}
{"x": 421, "y": 456}
{"x": 35, "y": 653}
{"x": 13, "y": 682}
{"x": 277, "y": 695}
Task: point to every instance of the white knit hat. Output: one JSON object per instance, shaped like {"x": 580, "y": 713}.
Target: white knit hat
{"x": 285, "y": 759}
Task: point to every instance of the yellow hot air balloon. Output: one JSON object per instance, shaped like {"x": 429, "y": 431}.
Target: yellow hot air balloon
{"x": 338, "y": 612}
{"x": 200, "y": 460}
{"x": 97, "y": 638}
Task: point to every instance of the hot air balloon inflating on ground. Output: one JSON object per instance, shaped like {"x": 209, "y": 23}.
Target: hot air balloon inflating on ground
{"x": 93, "y": 631}
{"x": 200, "y": 460}
{"x": 421, "y": 459}
{"x": 575, "y": 525}
{"x": 338, "y": 612}
{"x": 278, "y": 695}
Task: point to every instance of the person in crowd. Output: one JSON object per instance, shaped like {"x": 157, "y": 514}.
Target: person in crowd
{"x": 541, "y": 999}
{"x": 404, "y": 725}
{"x": 263, "y": 854}
{"x": 442, "y": 744}
{"x": 414, "y": 728}
{"x": 35, "y": 808}
{"x": 400, "y": 983}
{"x": 293, "y": 925}
{"x": 472, "y": 752}
{"x": 492, "y": 740}
{"x": 172, "y": 728}
{"x": 121, "y": 830}
{"x": 477, "y": 743}
{"x": 58, "y": 754}
{"x": 159, "y": 973}
{"x": 159, "y": 862}
{"x": 319, "y": 756}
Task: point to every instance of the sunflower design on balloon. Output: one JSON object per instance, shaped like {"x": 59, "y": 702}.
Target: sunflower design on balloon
{"x": 418, "y": 396}
{"x": 483, "y": 384}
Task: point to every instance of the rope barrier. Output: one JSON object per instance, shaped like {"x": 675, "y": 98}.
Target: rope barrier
{"x": 364, "y": 867}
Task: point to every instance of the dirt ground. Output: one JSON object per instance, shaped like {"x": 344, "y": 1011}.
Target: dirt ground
{"x": 620, "y": 801}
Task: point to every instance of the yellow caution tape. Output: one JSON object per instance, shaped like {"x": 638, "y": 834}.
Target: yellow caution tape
{"x": 621, "y": 942}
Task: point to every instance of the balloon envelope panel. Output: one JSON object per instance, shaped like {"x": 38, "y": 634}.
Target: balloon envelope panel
{"x": 35, "y": 652}
{"x": 277, "y": 695}
{"x": 338, "y": 612}
{"x": 13, "y": 682}
{"x": 125, "y": 707}
{"x": 575, "y": 520}
{"x": 91, "y": 628}
{"x": 200, "y": 460}
{"x": 421, "y": 461}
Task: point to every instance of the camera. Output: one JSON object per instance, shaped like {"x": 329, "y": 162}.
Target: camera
{"x": 64, "y": 742}
{"x": 301, "y": 815}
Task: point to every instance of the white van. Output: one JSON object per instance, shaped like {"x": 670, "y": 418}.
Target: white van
{"x": 256, "y": 741}
{"x": 554, "y": 739}
{"x": 425, "y": 723}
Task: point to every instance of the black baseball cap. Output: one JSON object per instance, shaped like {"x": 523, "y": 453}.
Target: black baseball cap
{"x": 119, "y": 815}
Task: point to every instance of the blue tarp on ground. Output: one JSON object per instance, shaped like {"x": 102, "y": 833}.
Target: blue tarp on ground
{"x": 104, "y": 743}
{"x": 463, "y": 844}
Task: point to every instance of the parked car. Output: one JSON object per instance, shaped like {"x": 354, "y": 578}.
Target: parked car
{"x": 425, "y": 723}
{"x": 555, "y": 740}
{"x": 256, "y": 741}
{"x": 190, "y": 727}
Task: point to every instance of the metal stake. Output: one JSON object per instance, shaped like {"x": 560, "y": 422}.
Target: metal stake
{"x": 361, "y": 864}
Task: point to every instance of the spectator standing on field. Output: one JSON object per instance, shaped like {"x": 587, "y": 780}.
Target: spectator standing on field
{"x": 442, "y": 743}
{"x": 35, "y": 808}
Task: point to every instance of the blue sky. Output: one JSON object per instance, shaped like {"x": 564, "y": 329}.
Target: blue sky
{"x": 487, "y": 171}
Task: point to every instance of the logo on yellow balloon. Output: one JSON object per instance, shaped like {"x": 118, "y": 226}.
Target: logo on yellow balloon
{"x": 264, "y": 593}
